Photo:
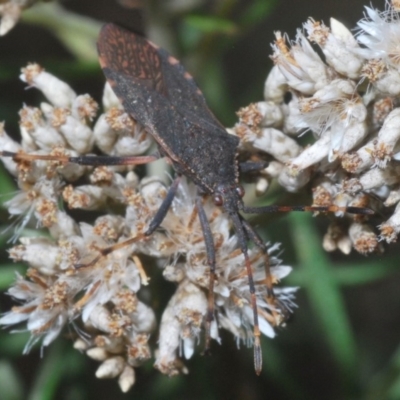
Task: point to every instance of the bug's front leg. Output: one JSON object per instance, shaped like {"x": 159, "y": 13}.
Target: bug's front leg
{"x": 81, "y": 160}
{"x": 211, "y": 261}
{"x": 164, "y": 207}
{"x": 154, "y": 224}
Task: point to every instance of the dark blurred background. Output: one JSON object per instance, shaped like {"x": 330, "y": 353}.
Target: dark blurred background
{"x": 342, "y": 342}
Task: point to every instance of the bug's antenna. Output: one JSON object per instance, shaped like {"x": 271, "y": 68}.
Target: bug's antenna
{"x": 241, "y": 233}
{"x": 331, "y": 208}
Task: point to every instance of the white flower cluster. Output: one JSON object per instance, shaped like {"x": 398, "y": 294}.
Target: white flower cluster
{"x": 344, "y": 99}
{"x": 106, "y": 297}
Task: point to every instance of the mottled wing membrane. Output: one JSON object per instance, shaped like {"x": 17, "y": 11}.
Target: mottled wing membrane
{"x": 164, "y": 98}
{"x": 141, "y": 60}
{"x": 123, "y": 51}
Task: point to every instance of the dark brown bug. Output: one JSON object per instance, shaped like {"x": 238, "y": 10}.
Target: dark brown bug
{"x": 157, "y": 92}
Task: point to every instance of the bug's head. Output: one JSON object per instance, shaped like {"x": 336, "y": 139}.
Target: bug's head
{"x": 229, "y": 197}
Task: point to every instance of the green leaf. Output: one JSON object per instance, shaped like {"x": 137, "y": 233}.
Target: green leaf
{"x": 349, "y": 275}
{"x": 386, "y": 384}
{"x": 364, "y": 273}
{"x": 324, "y": 295}
{"x": 76, "y": 32}
{"x": 211, "y": 24}
{"x": 50, "y": 373}
{"x": 10, "y": 383}
{"x": 257, "y": 11}
{"x": 12, "y": 344}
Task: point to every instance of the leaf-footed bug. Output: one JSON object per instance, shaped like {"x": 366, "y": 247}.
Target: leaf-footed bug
{"x": 156, "y": 91}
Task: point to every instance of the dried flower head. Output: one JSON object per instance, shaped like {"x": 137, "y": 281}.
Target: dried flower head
{"x": 69, "y": 280}
{"x": 348, "y": 103}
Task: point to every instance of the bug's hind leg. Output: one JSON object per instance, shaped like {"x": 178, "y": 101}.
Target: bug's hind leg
{"x": 211, "y": 261}
{"x": 243, "y": 235}
{"x": 277, "y": 309}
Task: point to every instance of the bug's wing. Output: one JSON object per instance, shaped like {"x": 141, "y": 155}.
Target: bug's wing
{"x": 123, "y": 52}
{"x": 155, "y": 90}
{"x": 149, "y": 69}
{"x": 184, "y": 93}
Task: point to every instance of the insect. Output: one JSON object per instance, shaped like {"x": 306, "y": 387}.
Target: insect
{"x": 156, "y": 91}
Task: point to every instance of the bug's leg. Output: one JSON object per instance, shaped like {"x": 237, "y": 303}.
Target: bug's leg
{"x": 154, "y": 224}
{"x": 81, "y": 160}
{"x": 242, "y": 234}
{"x": 210, "y": 249}
{"x": 256, "y": 239}
{"x": 112, "y": 160}
{"x": 252, "y": 166}
{"x": 165, "y": 205}
{"x": 272, "y": 300}
{"x": 332, "y": 208}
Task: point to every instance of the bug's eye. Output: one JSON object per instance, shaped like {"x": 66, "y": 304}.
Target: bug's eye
{"x": 218, "y": 200}
{"x": 240, "y": 191}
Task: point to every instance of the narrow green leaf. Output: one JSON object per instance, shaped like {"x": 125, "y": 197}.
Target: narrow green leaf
{"x": 210, "y": 24}
{"x": 324, "y": 294}
{"x": 364, "y": 273}
{"x": 78, "y": 33}
{"x": 50, "y": 373}
{"x": 257, "y": 12}
{"x": 10, "y": 383}
{"x": 12, "y": 344}
{"x": 350, "y": 275}
{"x": 386, "y": 384}
{"x": 394, "y": 390}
